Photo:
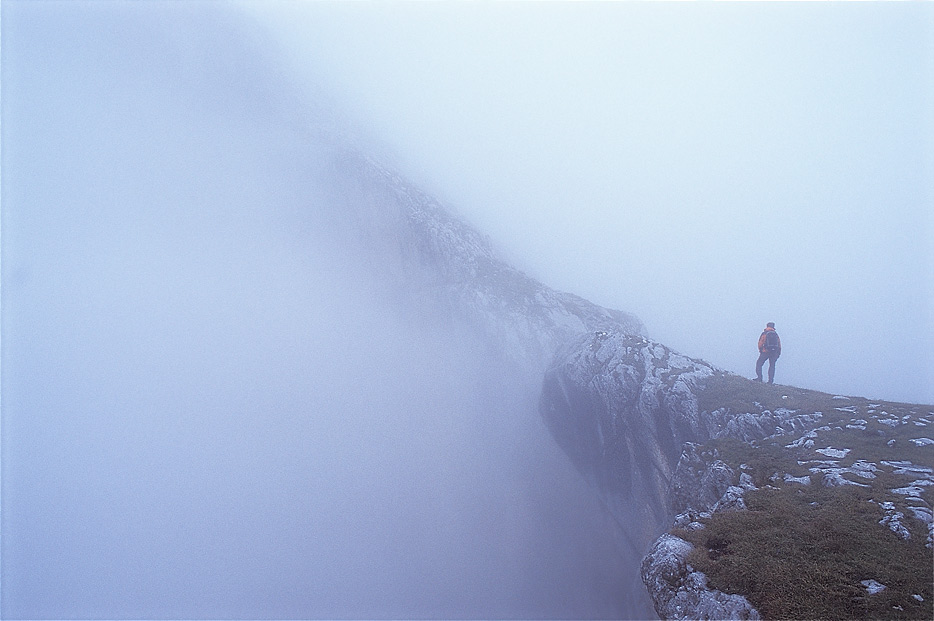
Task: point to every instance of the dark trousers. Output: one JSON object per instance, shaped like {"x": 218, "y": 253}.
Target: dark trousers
{"x": 771, "y": 356}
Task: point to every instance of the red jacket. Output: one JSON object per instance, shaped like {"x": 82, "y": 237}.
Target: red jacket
{"x": 762, "y": 348}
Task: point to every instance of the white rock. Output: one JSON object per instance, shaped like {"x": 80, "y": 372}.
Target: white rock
{"x": 835, "y": 479}
{"x": 732, "y": 500}
{"x": 807, "y": 440}
{"x": 864, "y": 469}
{"x": 914, "y": 491}
{"x": 893, "y": 519}
{"x": 908, "y": 468}
{"x": 922, "y": 513}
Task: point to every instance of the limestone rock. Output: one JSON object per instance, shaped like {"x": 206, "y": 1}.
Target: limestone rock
{"x": 699, "y": 481}
{"x": 680, "y": 592}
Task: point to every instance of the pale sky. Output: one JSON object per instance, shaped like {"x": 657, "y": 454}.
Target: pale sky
{"x": 710, "y": 167}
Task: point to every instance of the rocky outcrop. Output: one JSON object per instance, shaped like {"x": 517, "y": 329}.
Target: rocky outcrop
{"x": 627, "y": 410}
{"x": 622, "y": 406}
{"x": 699, "y": 481}
{"x": 701, "y": 486}
{"x": 680, "y": 592}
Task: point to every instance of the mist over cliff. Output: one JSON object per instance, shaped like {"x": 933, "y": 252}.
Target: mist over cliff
{"x": 707, "y": 166}
{"x": 254, "y": 367}
{"x": 244, "y": 375}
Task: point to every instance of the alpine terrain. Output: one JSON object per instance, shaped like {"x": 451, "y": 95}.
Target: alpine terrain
{"x": 251, "y": 370}
{"x": 666, "y": 441}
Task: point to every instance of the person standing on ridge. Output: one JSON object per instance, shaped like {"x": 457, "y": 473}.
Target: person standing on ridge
{"x": 770, "y": 348}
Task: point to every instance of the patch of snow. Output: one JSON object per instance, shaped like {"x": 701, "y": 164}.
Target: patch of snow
{"x": 891, "y": 422}
{"x": 890, "y": 442}
{"x": 832, "y": 452}
{"x": 872, "y": 586}
{"x": 841, "y": 397}
{"x": 801, "y": 480}
{"x": 918, "y": 597}
{"x": 921, "y": 441}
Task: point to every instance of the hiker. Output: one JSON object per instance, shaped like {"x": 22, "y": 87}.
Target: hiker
{"x": 770, "y": 348}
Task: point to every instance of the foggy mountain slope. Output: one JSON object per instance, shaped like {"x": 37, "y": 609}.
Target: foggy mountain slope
{"x": 461, "y": 270}
{"x": 245, "y": 376}
{"x": 250, "y": 371}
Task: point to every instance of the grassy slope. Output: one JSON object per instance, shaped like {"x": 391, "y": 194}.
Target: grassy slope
{"x": 801, "y": 551}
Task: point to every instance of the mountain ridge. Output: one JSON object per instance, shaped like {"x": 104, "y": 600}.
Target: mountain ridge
{"x": 623, "y": 408}
{"x": 461, "y": 269}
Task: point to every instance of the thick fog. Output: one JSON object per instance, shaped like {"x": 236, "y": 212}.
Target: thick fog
{"x": 708, "y": 167}
{"x": 212, "y": 405}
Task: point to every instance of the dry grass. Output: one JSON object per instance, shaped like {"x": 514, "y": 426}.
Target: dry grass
{"x": 800, "y": 552}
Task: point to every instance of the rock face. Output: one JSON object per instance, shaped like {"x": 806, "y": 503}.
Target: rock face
{"x": 699, "y": 481}
{"x": 626, "y": 410}
{"x": 622, "y": 406}
{"x": 459, "y": 269}
{"x": 680, "y": 592}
